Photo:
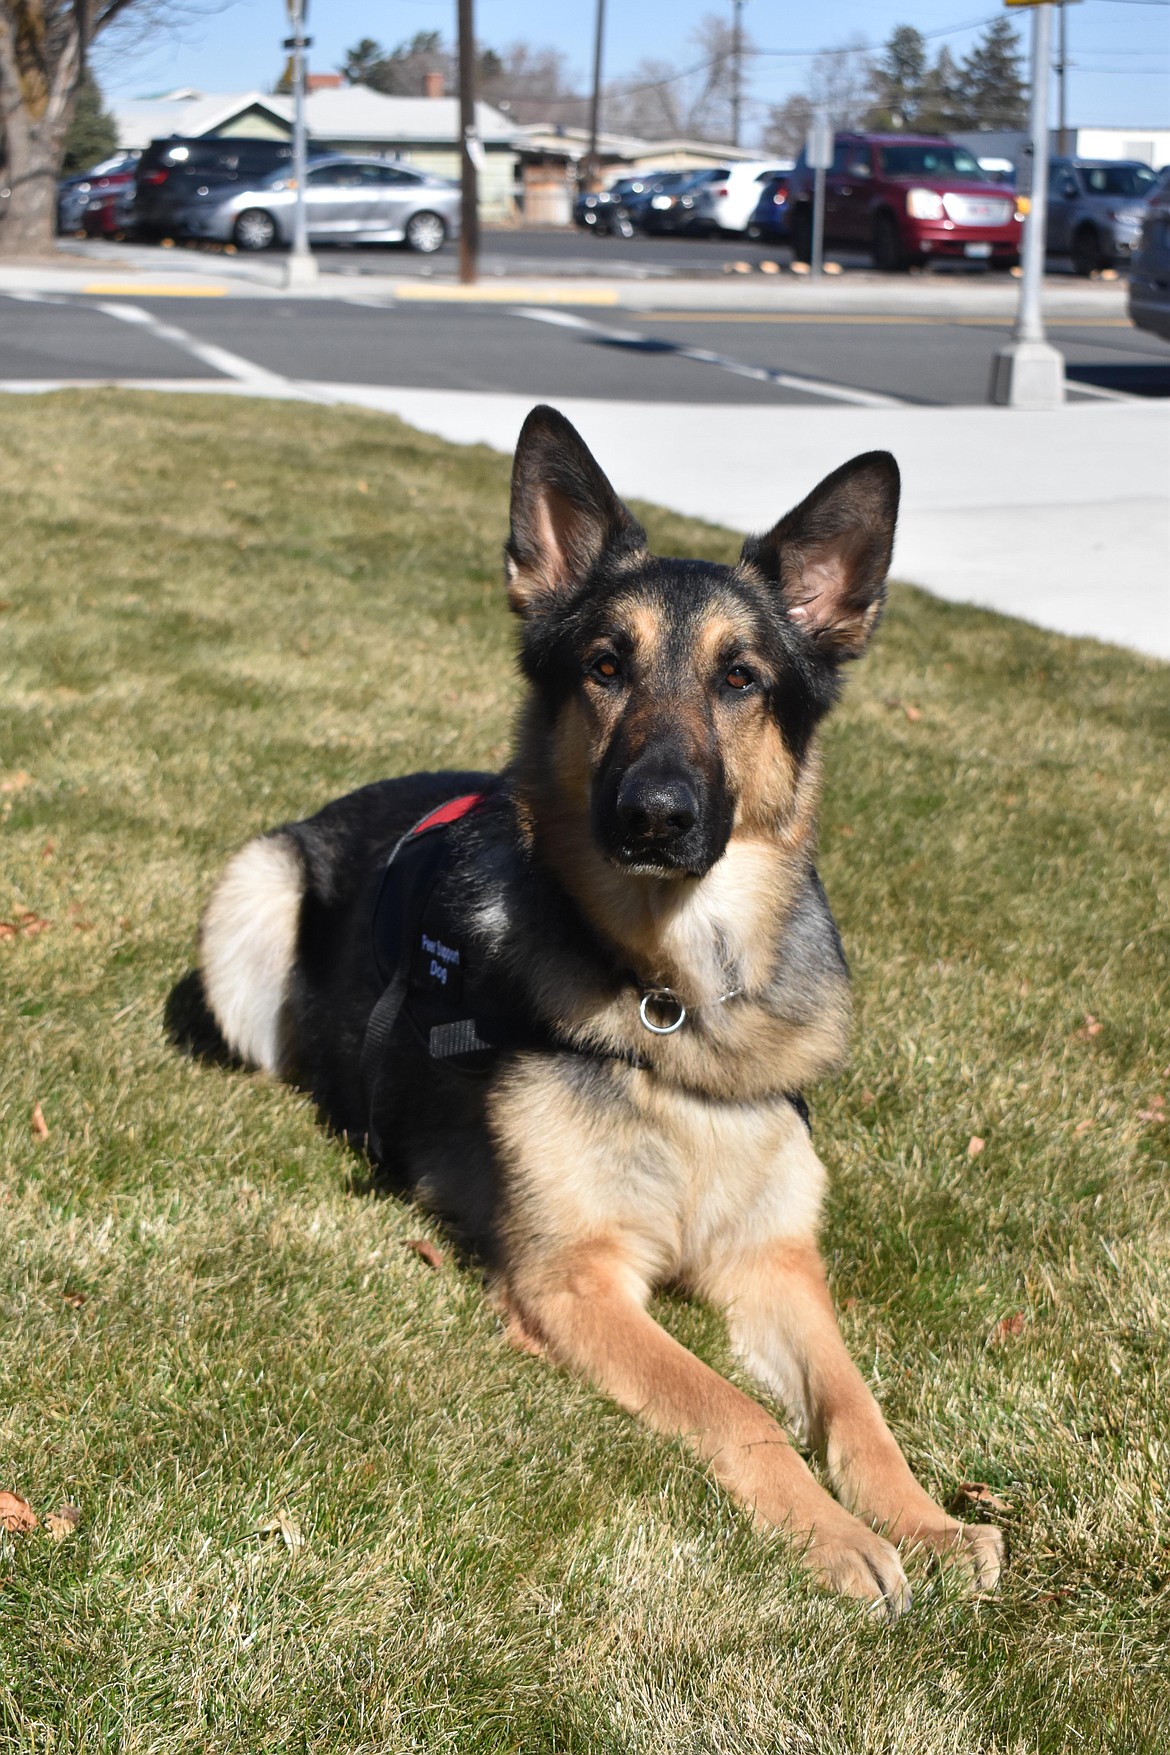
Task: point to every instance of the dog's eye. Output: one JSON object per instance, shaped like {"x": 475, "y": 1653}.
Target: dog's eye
{"x": 605, "y": 668}
{"x": 739, "y": 677}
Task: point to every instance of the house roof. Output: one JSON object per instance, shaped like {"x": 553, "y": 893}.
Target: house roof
{"x": 352, "y": 113}
{"x": 574, "y": 143}
{"x": 188, "y": 112}
{"x": 357, "y": 113}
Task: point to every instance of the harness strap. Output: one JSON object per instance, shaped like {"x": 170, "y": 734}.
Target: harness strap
{"x": 408, "y": 893}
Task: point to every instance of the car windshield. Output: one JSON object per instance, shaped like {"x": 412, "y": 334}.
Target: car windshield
{"x": 929, "y": 161}
{"x": 1133, "y": 180}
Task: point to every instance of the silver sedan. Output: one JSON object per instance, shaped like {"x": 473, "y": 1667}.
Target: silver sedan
{"x": 348, "y": 200}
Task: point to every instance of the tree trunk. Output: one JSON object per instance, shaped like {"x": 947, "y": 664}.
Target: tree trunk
{"x": 38, "y": 89}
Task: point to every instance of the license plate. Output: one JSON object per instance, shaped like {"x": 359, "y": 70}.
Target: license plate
{"x": 982, "y": 250}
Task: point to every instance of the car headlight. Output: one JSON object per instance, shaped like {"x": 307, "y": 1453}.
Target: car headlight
{"x": 1128, "y": 215}
{"x": 924, "y": 204}
{"x": 661, "y": 201}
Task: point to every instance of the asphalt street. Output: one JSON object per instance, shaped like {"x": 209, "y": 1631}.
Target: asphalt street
{"x": 717, "y": 357}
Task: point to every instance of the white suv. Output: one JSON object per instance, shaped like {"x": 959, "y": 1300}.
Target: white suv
{"x": 726, "y": 205}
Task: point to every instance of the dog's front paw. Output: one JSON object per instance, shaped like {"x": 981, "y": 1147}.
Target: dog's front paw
{"x": 976, "y": 1548}
{"x": 850, "y": 1558}
{"x": 981, "y": 1548}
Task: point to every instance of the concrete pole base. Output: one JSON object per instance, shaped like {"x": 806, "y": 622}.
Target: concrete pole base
{"x": 1028, "y": 374}
{"x": 300, "y": 270}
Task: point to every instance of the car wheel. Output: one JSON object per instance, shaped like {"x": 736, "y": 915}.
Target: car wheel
{"x": 426, "y": 233}
{"x": 254, "y": 230}
{"x": 802, "y": 235}
{"x": 755, "y": 234}
{"x": 888, "y": 254}
{"x": 1088, "y": 256}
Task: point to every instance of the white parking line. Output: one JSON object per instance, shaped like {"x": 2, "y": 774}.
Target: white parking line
{"x": 704, "y": 357}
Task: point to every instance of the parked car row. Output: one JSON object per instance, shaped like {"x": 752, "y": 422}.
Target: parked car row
{"x": 241, "y": 191}
{"x": 906, "y": 199}
{"x": 701, "y": 203}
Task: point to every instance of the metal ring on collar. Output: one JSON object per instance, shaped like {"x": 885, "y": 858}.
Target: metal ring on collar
{"x": 661, "y": 996}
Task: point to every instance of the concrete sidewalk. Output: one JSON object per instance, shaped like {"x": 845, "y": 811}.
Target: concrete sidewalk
{"x": 1060, "y": 518}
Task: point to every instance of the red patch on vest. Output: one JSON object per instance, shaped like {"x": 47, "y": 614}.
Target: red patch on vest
{"x": 449, "y": 812}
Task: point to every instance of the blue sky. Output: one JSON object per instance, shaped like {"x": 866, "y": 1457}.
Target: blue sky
{"x": 1120, "y": 48}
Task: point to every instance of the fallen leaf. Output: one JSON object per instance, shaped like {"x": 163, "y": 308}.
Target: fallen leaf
{"x": 62, "y": 1523}
{"x": 1091, "y": 1028}
{"x": 32, "y": 924}
{"x": 1082, "y": 1127}
{"x": 1156, "y": 1111}
{"x": 912, "y": 713}
{"x": 9, "y": 929}
{"x": 847, "y": 830}
{"x": 978, "y": 1493}
{"x": 38, "y": 1123}
{"x": 425, "y": 1250}
{"x": 48, "y": 850}
{"x": 363, "y": 487}
{"x": 16, "y": 1514}
{"x": 16, "y": 782}
{"x": 229, "y": 484}
{"x": 975, "y": 1145}
{"x": 868, "y": 1098}
{"x": 286, "y": 1528}
{"x": 74, "y": 1299}
{"x": 1025, "y": 989}
{"x": 1056, "y": 1596}
{"x": 1008, "y": 1326}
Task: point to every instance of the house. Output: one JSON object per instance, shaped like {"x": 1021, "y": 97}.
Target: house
{"x": 423, "y": 131}
{"x": 552, "y": 157}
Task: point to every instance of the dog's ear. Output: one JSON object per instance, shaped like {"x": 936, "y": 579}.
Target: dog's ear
{"x": 565, "y": 515}
{"x": 830, "y": 555}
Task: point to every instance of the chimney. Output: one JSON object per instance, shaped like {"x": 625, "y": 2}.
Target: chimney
{"x": 323, "y": 82}
{"x": 433, "y": 85}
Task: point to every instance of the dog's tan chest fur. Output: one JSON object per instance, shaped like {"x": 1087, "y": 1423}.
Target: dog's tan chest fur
{"x": 675, "y": 1180}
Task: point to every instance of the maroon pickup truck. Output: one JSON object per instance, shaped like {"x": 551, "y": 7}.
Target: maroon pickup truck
{"x": 907, "y": 198}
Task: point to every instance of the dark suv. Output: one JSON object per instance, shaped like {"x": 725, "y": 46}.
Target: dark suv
{"x": 170, "y": 172}
{"x": 906, "y": 198}
{"x": 1096, "y": 209}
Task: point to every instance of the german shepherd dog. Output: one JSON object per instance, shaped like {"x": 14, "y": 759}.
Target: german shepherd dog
{"x": 652, "y": 977}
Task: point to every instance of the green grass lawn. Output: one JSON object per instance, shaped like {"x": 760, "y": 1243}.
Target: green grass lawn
{"x": 217, "y": 614}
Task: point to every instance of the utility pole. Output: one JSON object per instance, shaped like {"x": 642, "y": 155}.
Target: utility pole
{"x": 736, "y": 68}
{"x": 592, "y": 168}
{"x": 1029, "y": 373}
{"x": 1061, "y": 65}
{"x": 301, "y": 266}
{"x": 471, "y": 151}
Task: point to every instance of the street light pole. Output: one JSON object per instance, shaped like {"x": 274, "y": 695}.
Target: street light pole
{"x": 737, "y": 69}
{"x": 301, "y": 267}
{"x": 1029, "y": 373}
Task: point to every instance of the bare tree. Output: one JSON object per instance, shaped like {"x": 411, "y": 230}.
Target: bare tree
{"x": 43, "y": 50}
{"x": 662, "y": 101}
{"x": 840, "y": 83}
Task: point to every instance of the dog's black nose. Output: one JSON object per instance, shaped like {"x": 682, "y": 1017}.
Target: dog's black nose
{"x": 656, "y": 808}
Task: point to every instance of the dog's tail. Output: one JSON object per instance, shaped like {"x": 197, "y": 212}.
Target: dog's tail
{"x": 247, "y": 947}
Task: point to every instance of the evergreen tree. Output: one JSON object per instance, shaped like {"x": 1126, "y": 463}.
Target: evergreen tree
{"x": 93, "y": 132}
{"x": 898, "y": 81}
{"x": 402, "y": 71}
{"x": 940, "y": 104}
{"x": 993, "y": 92}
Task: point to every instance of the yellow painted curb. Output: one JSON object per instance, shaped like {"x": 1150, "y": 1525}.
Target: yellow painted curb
{"x": 146, "y": 291}
{"x": 507, "y": 294}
